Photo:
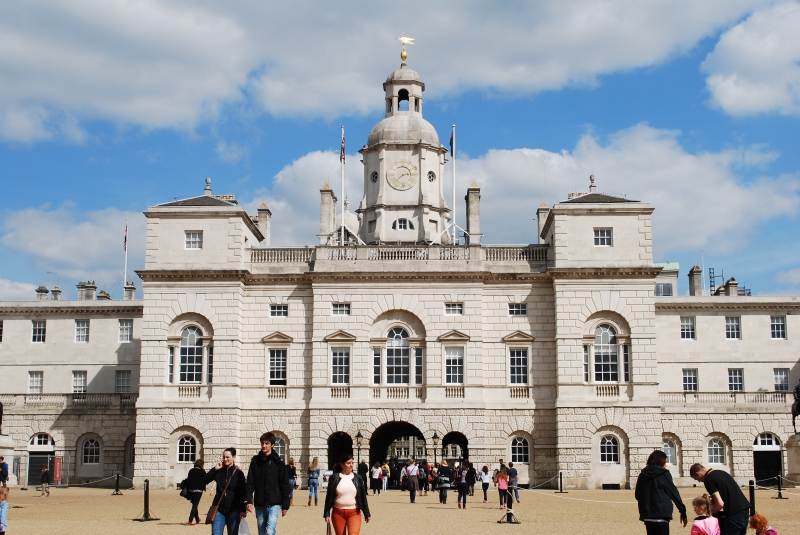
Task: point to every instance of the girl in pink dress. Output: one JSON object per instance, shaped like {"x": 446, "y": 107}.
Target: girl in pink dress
{"x": 704, "y": 524}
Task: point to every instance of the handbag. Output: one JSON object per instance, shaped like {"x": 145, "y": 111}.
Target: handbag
{"x": 185, "y": 492}
{"x": 212, "y": 511}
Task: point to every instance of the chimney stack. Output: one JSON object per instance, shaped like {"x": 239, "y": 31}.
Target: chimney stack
{"x": 103, "y": 296}
{"x": 327, "y": 214}
{"x": 130, "y": 291}
{"x": 473, "y": 199}
{"x": 55, "y": 294}
{"x": 81, "y": 286}
{"x": 264, "y": 220}
{"x": 86, "y": 290}
{"x": 696, "y": 281}
{"x": 731, "y": 287}
{"x": 592, "y": 187}
{"x": 41, "y": 293}
{"x": 541, "y": 217}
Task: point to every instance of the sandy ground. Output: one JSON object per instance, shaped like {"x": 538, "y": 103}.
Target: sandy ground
{"x": 95, "y": 511}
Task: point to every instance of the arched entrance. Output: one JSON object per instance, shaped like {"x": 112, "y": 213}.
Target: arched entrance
{"x": 396, "y": 442}
{"x": 461, "y": 452}
{"x": 339, "y": 444}
{"x": 767, "y": 459}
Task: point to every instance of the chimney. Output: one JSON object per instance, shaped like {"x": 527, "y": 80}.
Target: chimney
{"x": 696, "y": 281}
{"x": 81, "y": 286}
{"x": 89, "y": 289}
{"x": 592, "y": 187}
{"x": 473, "y": 199}
{"x": 130, "y": 291}
{"x": 731, "y": 287}
{"x": 207, "y": 190}
{"x": 264, "y": 219}
{"x": 55, "y": 294}
{"x": 41, "y": 293}
{"x": 541, "y": 217}
{"x": 327, "y": 214}
{"x": 103, "y": 296}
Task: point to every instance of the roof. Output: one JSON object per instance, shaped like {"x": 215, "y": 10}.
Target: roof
{"x": 403, "y": 74}
{"x": 202, "y": 200}
{"x": 668, "y": 266}
{"x": 403, "y": 129}
{"x": 598, "y": 198}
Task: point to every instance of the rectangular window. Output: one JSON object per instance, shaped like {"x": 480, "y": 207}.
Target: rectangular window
{"x": 125, "y": 330}
{"x": 210, "y": 352}
{"x": 454, "y": 309}
{"x": 397, "y": 365}
{"x": 517, "y": 309}
{"x": 663, "y": 289}
{"x": 277, "y": 367}
{"x": 733, "y": 330}
{"x": 279, "y": 310}
{"x": 690, "y": 380}
{"x": 585, "y": 364}
{"x": 81, "y": 330}
{"x": 1, "y": 331}
{"x": 122, "y": 384}
{"x": 341, "y": 309}
{"x": 518, "y": 366}
{"x": 191, "y": 366}
{"x": 340, "y": 371}
{"x": 602, "y": 237}
{"x": 687, "y": 328}
{"x": 78, "y": 382}
{"x": 454, "y": 365}
{"x": 35, "y": 382}
{"x": 418, "y": 372}
{"x": 735, "y": 380}
{"x": 39, "y": 329}
{"x": 626, "y": 363}
{"x": 376, "y": 365}
{"x": 402, "y": 224}
{"x": 781, "y": 379}
{"x": 606, "y": 363}
{"x": 778, "y": 327}
{"x": 194, "y": 239}
{"x": 171, "y": 365}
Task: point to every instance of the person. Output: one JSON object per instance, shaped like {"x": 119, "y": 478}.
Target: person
{"x": 461, "y": 476}
{"x": 761, "y": 525}
{"x": 435, "y": 478}
{"x": 195, "y": 485}
{"x": 230, "y": 496}
{"x": 3, "y": 510}
{"x": 376, "y": 475}
{"x": 655, "y": 493}
{"x": 291, "y": 472}
{"x": 728, "y": 502}
{"x": 502, "y": 486}
{"x": 485, "y": 479}
{"x": 444, "y": 481}
{"x": 45, "y": 481}
{"x": 422, "y": 475}
{"x": 403, "y": 477}
{"x": 313, "y": 481}
{"x": 412, "y": 473}
{"x": 267, "y": 486}
{"x": 512, "y": 480}
{"x": 346, "y": 500}
{"x": 704, "y": 524}
{"x": 3, "y": 472}
{"x": 386, "y": 473}
{"x": 471, "y": 478}
{"x": 363, "y": 469}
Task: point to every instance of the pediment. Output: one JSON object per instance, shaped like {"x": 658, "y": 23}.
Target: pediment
{"x": 277, "y": 338}
{"x": 454, "y": 336}
{"x": 340, "y": 336}
{"x": 517, "y": 336}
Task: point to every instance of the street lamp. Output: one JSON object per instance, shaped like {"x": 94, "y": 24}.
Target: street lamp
{"x": 359, "y": 439}
{"x": 435, "y": 440}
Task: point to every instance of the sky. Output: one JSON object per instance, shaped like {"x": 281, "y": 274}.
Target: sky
{"x": 110, "y": 106}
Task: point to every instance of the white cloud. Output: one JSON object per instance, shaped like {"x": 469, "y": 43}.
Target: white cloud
{"x": 16, "y": 291}
{"x": 173, "y": 64}
{"x": 790, "y": 277}
{"x": 77, "y": 245}
{"x": 231, "y": 152}
{"x": 755, "y": 67}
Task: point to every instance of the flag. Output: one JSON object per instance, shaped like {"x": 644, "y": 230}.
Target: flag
{"x": 452, "y": 144}
{"x": 125, "y": 242}
{"x": 341, "y": 153}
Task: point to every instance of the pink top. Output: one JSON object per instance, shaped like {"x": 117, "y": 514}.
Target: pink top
{"x": 502, "y": 483}
{"x": 705, "y": 526}
{"x": 345, "y": 492}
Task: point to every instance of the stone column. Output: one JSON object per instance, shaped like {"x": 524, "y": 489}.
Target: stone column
{"x": 473, "y": 199}
{"x": 541, "y": 217}
{"x": 264, "y": 221}
{"x": 327, "y": 214}
{"x": 696, "y": 281}
{"x": 793, "y": 458}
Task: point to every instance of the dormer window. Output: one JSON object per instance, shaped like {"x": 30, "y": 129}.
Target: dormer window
{"x": 402, "y": 224}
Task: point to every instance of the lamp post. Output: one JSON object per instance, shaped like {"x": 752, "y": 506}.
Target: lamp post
{"x": 359, "y": 439}
{"x": 435, "y": 440}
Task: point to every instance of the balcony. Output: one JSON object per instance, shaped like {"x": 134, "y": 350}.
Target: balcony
{"x": 68, "y": 401}
{"x": 732, "y": 399}
{"x": 397, "y": 392}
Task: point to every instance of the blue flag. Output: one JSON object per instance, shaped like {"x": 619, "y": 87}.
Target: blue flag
{"x": 341, "y": 153}
{"x": 452, "y": 146}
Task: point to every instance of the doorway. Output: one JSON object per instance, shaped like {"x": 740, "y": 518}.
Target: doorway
{"x": 339, "y": 444}
{"x": 767, "y": 460}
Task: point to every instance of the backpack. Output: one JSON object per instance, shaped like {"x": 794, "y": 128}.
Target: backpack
{"x": 421, "y": 474}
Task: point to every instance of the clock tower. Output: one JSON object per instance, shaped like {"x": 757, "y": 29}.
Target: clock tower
{"x": 403, "y": 166}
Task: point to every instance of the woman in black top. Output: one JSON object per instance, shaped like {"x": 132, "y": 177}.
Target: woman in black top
{"x": 195, "y": 484}
{"x": 291, "y": 471}
{"x": 445, "y": 475}
{"x": 231, "y": 500}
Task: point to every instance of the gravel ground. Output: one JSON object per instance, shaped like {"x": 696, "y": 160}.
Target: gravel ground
{"x": 94, "y": 511}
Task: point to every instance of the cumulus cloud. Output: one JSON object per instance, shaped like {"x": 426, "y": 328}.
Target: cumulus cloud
{"x": 231, "y": 152}
{"x": 755, "y": 67}
{"x": 16, "y": 291}
{"x": 174, "y": 64}
{"x": 76, "y": 245}
{"x": 790, "y": 277}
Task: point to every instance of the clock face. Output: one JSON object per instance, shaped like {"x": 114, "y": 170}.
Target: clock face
{"x": 402, "y": 175}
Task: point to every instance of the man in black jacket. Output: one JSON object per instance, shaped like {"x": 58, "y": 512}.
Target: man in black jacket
{"x": 656, "y": 493}
{"x": 267, "y": 487}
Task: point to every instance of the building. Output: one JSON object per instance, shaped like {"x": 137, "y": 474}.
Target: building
{"x": 574, "y": 355}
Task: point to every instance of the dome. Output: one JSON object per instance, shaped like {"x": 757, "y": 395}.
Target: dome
{"x": 403, "y": 129}
{"x": 403, "y": 74}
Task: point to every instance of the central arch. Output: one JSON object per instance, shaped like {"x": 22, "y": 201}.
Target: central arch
{"x": 460, "y": 440}
{"x": 339, "y": 444}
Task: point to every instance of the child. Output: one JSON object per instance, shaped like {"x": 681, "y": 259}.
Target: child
{"x": 3, "y": 510}
{"x": 761, "y": 525}
{"x": 704, "y": 524}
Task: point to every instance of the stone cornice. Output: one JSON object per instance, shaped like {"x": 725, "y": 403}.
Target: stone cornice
{"x": 52, "y": 308}
{"x": 727, "y": 303}
{"x": 643, "y": 272}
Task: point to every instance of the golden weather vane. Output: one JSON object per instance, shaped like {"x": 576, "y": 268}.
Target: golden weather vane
{"x": 406, "y": 41}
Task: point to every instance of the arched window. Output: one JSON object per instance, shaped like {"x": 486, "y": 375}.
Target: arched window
{"x": 716, "y": 451}
{"x": 191, "y": 367}
{"x": 520, "y": 451}
{"x": 670, "y": 450}
{"x": 187, "y": 449}
{"x": 280, "y": 448}
{"x": 609, "y": 450}
{"x": 402, "y": 100}
{"x": 766, "y": 439}
{"x": 606, "y": 363}
{"x": 91, "y": 451}
{"x": 402, "y": 224}
{"x": 397, "y": 356}
{"x": 42, "y": 439}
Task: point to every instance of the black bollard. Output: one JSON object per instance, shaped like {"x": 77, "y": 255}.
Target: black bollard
{"x": 780, "y": 494}
{"x": 116, "y": 488}
{"x": 146, "y": 516}
{"x": 752, "y": 497}
{"x": 561, "y": 483}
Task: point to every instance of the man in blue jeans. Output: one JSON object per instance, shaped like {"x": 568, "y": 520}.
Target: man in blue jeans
{"x": 728, "y": 502}
{"x": 268, "y": 486}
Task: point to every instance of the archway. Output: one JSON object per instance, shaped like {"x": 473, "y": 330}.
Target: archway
{"x": 461, "y": 453}
{"x": 339, "y": 444}
{"x": 767, "y": 459}
{"x": 396, "y": 442}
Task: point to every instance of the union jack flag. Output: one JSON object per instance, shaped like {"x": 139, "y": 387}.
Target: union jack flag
{"x": 125, "y": 242}
{"x": 341, "y": 153}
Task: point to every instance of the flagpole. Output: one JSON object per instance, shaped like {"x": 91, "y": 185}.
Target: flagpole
{"x": 125, "y": 272}
{"x": 341, "y": 159}
{"x": 453, "y": 149}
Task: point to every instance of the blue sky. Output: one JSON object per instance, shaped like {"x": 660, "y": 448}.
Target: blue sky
{"x": 107, "y": 108}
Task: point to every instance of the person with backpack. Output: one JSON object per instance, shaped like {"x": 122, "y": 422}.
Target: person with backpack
{"x": 444, "y": 481}
{"x": 423, "y": 479}
{"x": 460, "y": 479}
{"x": 471, "y": 477}
{"x": 195, "y": 484}
{"x": 655, "y": 494}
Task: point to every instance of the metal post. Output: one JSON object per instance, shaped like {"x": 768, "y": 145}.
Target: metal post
{"x": 752, "y": 497}
{"x": 561, "y": 484}
{"x": 146, "y": 514}
{"x": 116, "y": 487}
{"x": 780, "y": 495}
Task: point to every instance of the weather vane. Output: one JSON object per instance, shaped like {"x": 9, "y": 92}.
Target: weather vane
{"x": 406, "y": 41}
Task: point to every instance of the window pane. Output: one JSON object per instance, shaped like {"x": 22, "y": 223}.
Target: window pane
{"x": 191, "y": 365}
{"x": 91, "y": 452}
{"x": 376, "y": 365}
{"x": 279, "y": 310}
{"x": 778, "y": 326}
{"x": 609, "y": 450}
{"x": 454, "y": 365}
{"x": 733, "y": 328}
{"x": 277, "y": 367}
{"x": 81, "y": 330}
{"x": 454, "y": 309}
{"x": 341, "y": 309}
{"x": 123, "y": 382}
{"x": 340, "y": 372}
{"x": 194, "y": 240}
{"x": 520, "y": 451}
{"x": 397, "y": 357}
{"x": 35, "y": 381}
{"x": 518, "y": 366}
{"x": 517, "y": 309}
{"x": 187, "y": 450}
{"x": 79, "y": 382}
{"x": 125, "y": 330}
{"x": 280, "y": 448}
{"x": 735, "y": 379}
{"x": 606, "y": 364}
{"x": 418, "y": 371}
{"x": 687, "y": 328}
{"x": 781, "y": 379}
{"x": 38, "y": 331}
{"x": 690, "y": 380}
{"x": 716, "y": 451}
{"x": 602, "y": 237}
{"x": 670, "y": 451}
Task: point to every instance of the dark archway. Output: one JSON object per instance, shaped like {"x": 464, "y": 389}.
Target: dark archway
{"x": 383, "y": 437}
{"x": 339, "y": 444}
{"x": 459, "y": 439}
